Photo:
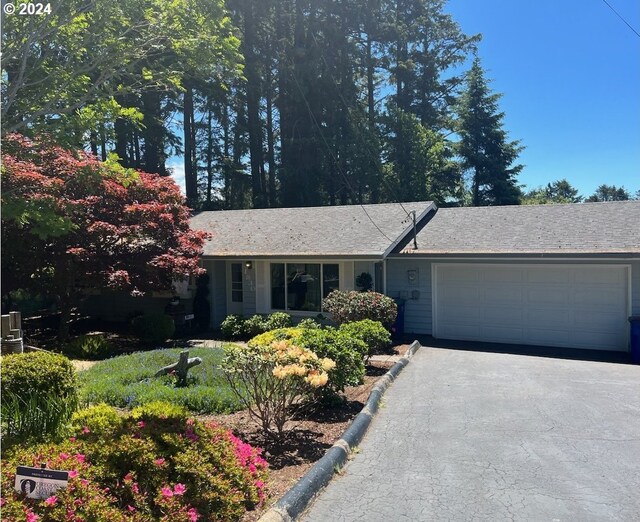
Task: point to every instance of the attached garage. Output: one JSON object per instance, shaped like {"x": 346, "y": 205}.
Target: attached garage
{"x": 573, "y": 306}
{"x": 543, "y": 275}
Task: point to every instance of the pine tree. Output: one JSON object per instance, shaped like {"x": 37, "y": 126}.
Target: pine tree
{"x": 484, "y": 147}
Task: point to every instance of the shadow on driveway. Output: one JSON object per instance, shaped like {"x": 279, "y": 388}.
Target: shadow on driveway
{"x": 519, "y": 349}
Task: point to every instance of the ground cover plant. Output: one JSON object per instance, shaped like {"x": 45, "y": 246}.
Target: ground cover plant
{"x": 154, "y": 463}
{"x": 128, "y": 381}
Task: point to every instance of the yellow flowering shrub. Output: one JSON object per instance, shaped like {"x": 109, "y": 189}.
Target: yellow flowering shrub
{"x": 274, "y": 380}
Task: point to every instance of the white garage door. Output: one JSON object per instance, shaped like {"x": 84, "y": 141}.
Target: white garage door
{"x": 577, "y": 306}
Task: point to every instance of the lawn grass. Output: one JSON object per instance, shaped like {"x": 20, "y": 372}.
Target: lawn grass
{"x": 128, "y": 381}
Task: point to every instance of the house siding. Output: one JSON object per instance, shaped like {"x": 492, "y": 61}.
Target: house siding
{"x": 418, "y": 312}
{"x": 218, "y": 288}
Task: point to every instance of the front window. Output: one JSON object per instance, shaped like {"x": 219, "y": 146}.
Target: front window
{"x": 301, "y": 286}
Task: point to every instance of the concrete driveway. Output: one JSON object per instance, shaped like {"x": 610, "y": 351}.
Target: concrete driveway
{"x": 467, "y": 436}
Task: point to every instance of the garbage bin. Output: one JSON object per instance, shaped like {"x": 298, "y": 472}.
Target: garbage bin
{"x": 397, "y": 329}
{"x": 635, "y": 338}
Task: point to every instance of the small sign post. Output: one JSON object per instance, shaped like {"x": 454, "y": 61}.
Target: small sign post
{"x": 40, "y": 482}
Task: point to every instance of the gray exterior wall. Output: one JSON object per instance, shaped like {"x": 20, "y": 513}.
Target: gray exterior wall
{"x": 218, "y": 291}
{"x": 418, "y": 312}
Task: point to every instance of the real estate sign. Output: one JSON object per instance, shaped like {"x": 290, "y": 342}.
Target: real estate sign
{"x": 40, "y": 482}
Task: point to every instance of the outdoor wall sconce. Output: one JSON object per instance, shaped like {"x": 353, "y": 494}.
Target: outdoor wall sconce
{"x": 248, "y": 265}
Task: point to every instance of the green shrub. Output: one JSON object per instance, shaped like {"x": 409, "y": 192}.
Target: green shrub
{"x": 153, "y": 328}
{"x": 254, "y": 325}
{"x": 372, "y": 333}
{"x": 128, "y": 381}
{"x": 37, "y": 395}
{"x": 42, "y": 373}
{"x": 364, "y": 282}
{"x": 90, "y": 346}
{"x": 232, "y": 327}
{"x": 100, "y": 419}
{"x": 282, "y": 334}
{"x": 150, "y": 468}
{"x": 274, "y": 381}
{"x": 278, "y": 320}
{"x": 346, "y": 307}
{"x": 309, "y": 323}
{"x": 348, "y": 354}
{"x": 236, "y": 327}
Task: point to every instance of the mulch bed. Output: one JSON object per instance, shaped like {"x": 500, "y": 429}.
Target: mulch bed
{"x": 308, "y": 438}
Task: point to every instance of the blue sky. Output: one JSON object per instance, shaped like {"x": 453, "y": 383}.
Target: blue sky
{"x": 570, "y": 74}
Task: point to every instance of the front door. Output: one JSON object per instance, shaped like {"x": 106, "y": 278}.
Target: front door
{"x": 234, "y": 288}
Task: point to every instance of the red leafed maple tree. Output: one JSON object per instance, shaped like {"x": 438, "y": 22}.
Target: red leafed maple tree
{"x": 71, "y": 222}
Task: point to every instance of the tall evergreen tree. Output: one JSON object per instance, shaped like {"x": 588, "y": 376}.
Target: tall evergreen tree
{"x": 486, "y": 152}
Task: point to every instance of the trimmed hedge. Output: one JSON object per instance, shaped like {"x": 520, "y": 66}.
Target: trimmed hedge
{"x": 237, "y": 327}
{"x": 352, "y": 306}
{"x": 372, "y": 333}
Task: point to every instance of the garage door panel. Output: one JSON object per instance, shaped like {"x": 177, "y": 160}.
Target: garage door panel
{"x": 555, "y": 275}
{"x": 549, "y": 317}
{"x": 503, "y": 294}
{"x": 547, "y": 295}
{"x": 580, "y": 306}
{"x": 508, "y": 275}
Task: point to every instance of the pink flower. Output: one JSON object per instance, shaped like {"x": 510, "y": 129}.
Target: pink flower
{"x": 86, "y": 429}
{"x": 159, "y": 462}
{"x": 193, "y": 515}
{"x": 259, "y": 484}
{"x": 190, "y": 422}
{"x": 167, "y": 492}
{"x": 84, "y": 482}
{"x": 131, "y": 508}
{"x": 64, "y": 456}
{"x": 2, "y": 501}
{"x": 141, "y": 424}
{"x": 73, "y": 473}
{"x": 51, "y": 500}
{"x": 31, "y": 516}
{"x": 135, "y": 488}
{"x": 80, "y": 457}
{"x": 179, "y": 489}
{"x": 128, "y": 477}
{"x": 72, "y": 439}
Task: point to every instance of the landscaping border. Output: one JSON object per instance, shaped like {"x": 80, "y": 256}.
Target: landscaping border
{"x": 296, "y": 500}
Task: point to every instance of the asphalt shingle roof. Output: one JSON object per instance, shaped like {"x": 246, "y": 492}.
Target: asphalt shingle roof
{"x": 306, "y": 231}
{"x": 586, "y": 228}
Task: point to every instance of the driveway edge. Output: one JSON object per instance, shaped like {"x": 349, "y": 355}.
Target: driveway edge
{"x": 296, "y": 500}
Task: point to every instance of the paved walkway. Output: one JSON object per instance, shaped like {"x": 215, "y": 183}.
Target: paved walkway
{"x": 467, "y": 436}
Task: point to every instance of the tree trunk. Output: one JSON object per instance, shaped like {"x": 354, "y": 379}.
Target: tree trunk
{"x": 271, "y": 154}
{"x": 153, "y": 133}
{"x": 189, "y": 174}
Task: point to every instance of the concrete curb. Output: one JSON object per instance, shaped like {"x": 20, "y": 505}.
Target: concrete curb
{"x": 289, "y": 507}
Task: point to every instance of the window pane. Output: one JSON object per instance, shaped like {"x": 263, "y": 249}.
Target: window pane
{"x": 277, "y": 286}
{"x": 331, "y": 279}
{"x": 303, "y": 287}
{"x": 236, "y": 282}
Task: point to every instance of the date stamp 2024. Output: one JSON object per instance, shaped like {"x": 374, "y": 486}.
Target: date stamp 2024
{"x": 27, "y": 9}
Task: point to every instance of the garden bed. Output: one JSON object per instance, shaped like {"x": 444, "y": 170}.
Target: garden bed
{"x": 309, "y": 436}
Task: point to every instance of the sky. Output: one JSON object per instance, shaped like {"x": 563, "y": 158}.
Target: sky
{"x": 569, "y": 71}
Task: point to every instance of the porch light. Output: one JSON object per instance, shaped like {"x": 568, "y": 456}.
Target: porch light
{"x": 248, "y": 265}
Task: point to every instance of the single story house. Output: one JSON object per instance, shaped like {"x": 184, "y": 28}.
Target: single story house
{"x": 551, "y": 275}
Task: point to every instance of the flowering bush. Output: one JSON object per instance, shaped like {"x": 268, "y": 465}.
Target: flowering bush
{"x": 347, "y": 352}
{"x": 154, "y": 464}
{"x": 274, "y": 380}
{"x": 153, "y": 328}
{"x": 356, "y": 306}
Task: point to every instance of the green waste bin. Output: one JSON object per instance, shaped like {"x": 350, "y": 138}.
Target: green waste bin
{"x": 635, "y": 338}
